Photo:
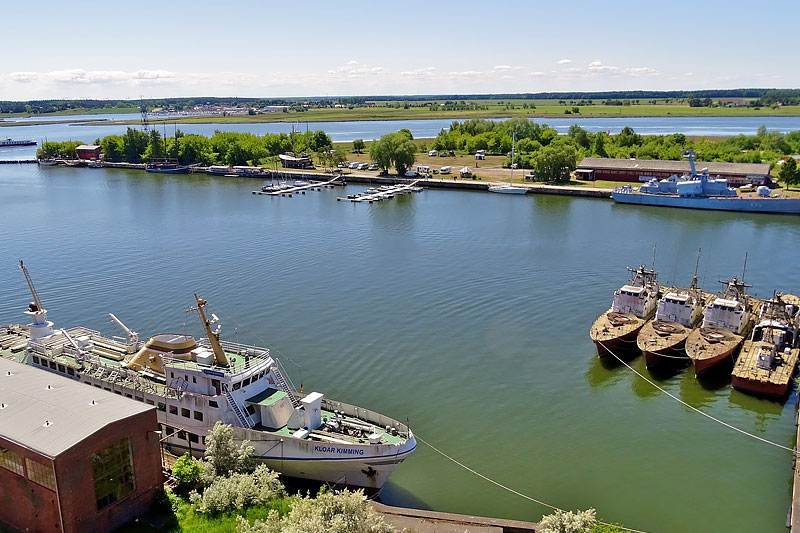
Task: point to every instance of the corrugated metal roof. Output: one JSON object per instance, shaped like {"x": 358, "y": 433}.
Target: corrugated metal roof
{"x": 50, "y": 413}
{"x": 658, "y": 165}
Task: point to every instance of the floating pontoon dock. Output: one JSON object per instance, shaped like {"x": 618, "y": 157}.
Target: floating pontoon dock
{"x": 382, "y": 193}
{"x": 301, "y": 189}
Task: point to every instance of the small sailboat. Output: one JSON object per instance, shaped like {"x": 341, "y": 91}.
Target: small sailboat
{"x": 509, "y": 189}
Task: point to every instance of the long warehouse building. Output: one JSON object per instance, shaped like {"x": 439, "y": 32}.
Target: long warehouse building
{"x": 642, "y": 170}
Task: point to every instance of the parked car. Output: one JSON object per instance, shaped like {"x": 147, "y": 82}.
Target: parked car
{"x": 363, "y": 166}
{"x": 411, "y": 174}
{"x": 373, "y": 166}
{"x": 344, "y": 164}
{"x": 432, "y": 153}
{"x": 354, "y": 164}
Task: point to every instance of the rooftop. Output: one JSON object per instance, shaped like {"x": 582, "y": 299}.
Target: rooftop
{"x": 50, "y": 413}
{"x": 644, "y": 165}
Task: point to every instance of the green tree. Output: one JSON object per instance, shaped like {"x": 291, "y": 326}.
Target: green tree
{"x": 358, "y": 146}
{"x": 223, "y": 457}
{"x": 155, "y": 148}
{"x": 187, "y": 470}
{"x": 789, "y": 174}
{"x": 134, "y": 144}
{"x": 555, "y": 164}
{"x": 599, "y": 148}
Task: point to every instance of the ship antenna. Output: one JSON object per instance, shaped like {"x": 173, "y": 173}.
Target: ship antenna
{"x": 696, "y": 266}
{"x": 744, "y": 269}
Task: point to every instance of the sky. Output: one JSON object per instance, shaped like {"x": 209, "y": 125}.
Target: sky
{"x": 128, "y": 50}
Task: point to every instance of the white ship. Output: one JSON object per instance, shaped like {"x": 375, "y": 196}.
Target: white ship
{"x": 195, "y": 384}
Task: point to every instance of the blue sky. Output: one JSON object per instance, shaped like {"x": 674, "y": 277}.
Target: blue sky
{"x": 158, "y": 49}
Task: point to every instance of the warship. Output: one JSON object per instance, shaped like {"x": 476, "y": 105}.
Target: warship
{"x": 768, "y": 358}
{"x": 195, "y": 383}
{"x": 679, "y": 311}
{"x": 633, "y": 304}
{"x": 728, "y": 320}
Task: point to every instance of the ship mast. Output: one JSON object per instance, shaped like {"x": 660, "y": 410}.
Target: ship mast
{"x": 696, "y": 266}
{"x": 213, "y": 336}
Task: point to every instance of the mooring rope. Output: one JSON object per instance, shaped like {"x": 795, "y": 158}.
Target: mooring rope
{"x": 695, "y": 409}
{"x": 509, "y": 489}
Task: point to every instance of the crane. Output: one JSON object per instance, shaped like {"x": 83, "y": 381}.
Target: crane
{"x": 133, "y": 337}
{"x": 36, "y": 300}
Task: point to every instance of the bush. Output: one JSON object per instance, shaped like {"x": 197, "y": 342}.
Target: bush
{"x": 568, "y": 522}
{"x": 238, "y": 491}
{"x": 223, "y": 457}
{"x": 329, "y": 512}
{"x": 188, "y": 471}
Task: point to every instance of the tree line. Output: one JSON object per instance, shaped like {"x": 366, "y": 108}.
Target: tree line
{"x": 222, "y": 148}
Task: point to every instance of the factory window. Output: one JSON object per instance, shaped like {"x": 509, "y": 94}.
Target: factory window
{"x": 12, "y": 461}
{"x": 150, "y": 402}
{"x": 112, "y": 469}
{"x": 41, "y": 474}
{"x": 128, "y": 395}
{"x": 35, "y": 359}
{"x": 185, "y": 412}
{"x": 162, "y": 406}
{"x": 53, "y": 365}
{"x": 213, "y": 403}
{"x": 173, "y": 410}
{"x": 198, "y": 416}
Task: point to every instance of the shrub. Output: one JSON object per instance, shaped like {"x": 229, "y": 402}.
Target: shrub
{"x": 222, "y": 455}
{"x": 187, "y": 470}
{"x": 238, "y": 491}
{"x": 329, "y": 512}
{"x": 568, "y": 522}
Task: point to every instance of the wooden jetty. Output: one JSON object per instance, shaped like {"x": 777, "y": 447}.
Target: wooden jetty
{"x": 383, "y": 193}
{"x": 301, "y": 189}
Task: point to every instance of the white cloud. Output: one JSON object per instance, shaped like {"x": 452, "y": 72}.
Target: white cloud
{"x": 354, "y": 70}
{"x": 502, "y": 68}
{"x": 537, "y": 73}
{"x": 467, "y": 74}
{"x": 564, "y": 61}
{"x": 419, "y": 73}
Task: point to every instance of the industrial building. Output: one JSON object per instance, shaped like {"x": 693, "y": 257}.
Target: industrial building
{"x": 89, "y": 152}
{"x": 642, "y": 170}
{"x": 73, "y": 458}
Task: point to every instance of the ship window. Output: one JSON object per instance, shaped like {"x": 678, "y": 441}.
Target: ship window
{"x": 12, "y": 461}
{"x": 213, "y": 403}
{"x": 118, "y": 392}
{"x": 35, "y": 359}
{"x": 150, "y": 402}
{"x": 193, "y": 438}
{"x": 53, "y": 365}
{"x": 140, "y": 398}
{"x": 173, "y": 410}
{"x": 246, "y": 382}
{"x": 129, "y": 395}
{"x": 194, "y": 379}
{"x": 41, "y": 473}
{"x": 182, "y": 435}
{"x": 98, "y": 386}
{"x": 185, "y": 412}
{"x": 62, "y": 368}
{"x": 162, "y": 406}
{"x": 198, "y": 415}
{"x": 250, "y": 410}
{"x": 172, "y": 374}
{"x": 70, "y": 371}
{"x": 237, "y": 385}
{"x": 170, "y": 430}
{"x": 44, "y": 362}
{"x": 112, "y": 469}
{"x": 204, "y": 440}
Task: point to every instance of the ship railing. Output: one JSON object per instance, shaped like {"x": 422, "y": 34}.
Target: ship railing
{"x": 360, "y": 413}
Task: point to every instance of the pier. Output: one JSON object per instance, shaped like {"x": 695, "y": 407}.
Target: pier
{"x": 383, "y": 193}
{"x": 279, "y": 190}
{"x": 18, "y": 161}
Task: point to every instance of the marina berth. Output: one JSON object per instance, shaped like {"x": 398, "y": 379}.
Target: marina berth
{"x": 196, "y": 383}
{"x": 728, "y": 320}
{"x": 768, "y": 359}
{"x": 615, "y": 331}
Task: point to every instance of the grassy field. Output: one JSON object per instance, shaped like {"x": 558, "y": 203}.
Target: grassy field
{"x": 546, "y": 109}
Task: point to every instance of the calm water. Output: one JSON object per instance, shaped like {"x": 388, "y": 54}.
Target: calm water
{"x": 347, "y": 131}
{"x": 467, "y": 313}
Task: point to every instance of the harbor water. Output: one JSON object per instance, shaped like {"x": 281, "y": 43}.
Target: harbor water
{"x": 465, "y": 313}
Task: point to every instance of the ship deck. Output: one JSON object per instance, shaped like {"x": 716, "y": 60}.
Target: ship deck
{"x": 747, "y": 366}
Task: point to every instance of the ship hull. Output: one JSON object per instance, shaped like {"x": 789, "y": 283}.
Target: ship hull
{"x": 760, "y": 388}
{"x": 706, "y": 354}
{"x": 622, "y": 346}
{"x": 754, "y": 204}
{"x": 668, "y": 355}
{"x": 356, "y": 466}
{"x": 662, "y": 341}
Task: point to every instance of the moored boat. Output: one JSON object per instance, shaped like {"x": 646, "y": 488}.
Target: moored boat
{"x": 166, "y": 166}
{"x": 727, "y": 320}
{"x": 615, "y": 331}
{"x": 678, "y": 312}
{"x": 4, "y": 143}
{"x": 194, "y": 384}
{"x": 768, "y": 358}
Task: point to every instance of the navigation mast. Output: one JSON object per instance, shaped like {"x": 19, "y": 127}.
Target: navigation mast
{"x": 213, "y": 336}
{"x": 40, "y": 327}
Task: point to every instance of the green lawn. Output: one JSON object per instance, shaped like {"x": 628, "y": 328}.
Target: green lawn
{"x": 182, "y": 518}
